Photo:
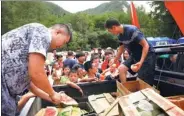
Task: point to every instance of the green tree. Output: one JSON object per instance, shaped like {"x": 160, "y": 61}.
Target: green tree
{"x": 107, "y": 40}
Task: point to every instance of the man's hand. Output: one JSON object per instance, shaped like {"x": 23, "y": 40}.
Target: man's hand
{"x": 56, "y": 98}
{"x": 136, "y": 67}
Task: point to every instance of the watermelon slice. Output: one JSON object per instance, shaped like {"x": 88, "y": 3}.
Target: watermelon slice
{"x": 76, "y": 111}
{"x": 51, "y": 111}
{"x": 68, "y": 101}
{"x": 66, "y": 111}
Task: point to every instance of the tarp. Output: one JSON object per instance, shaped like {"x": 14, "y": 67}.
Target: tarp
{"x": 160, "y": 41}
{"x": 180, "y": 40}
{"x": 176, "y": 8}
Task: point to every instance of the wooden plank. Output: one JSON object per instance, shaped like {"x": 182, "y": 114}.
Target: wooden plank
{"x": 109, "y": 97}
{"x": 122, "y": 90}
{"x": 158, "y": 99}
{"x": 135, "y": 97}
{"x": 131, "y": 111}
{"x": 124, "y": 101}
{"x": 127, "y": 107}
{"x": 112, "y": 110}
{"x": 176, "y": 111}
{"x": 99, "y": 105}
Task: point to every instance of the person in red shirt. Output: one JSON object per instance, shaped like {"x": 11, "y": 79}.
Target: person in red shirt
{"x": 105, "y": 64}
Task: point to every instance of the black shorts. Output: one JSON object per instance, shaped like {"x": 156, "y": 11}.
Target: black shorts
{"x": 147, "y": 70}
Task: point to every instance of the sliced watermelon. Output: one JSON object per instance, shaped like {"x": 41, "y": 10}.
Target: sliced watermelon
{"x": 68, "y": 101}
{"x": 76, "y": 111}
{"x": 51, "y": 111}
{"x": 66, "y": 111}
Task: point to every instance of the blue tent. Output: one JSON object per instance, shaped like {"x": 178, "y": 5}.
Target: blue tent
{"x": 157, "y": 41}
{"x": 180, "y": 40}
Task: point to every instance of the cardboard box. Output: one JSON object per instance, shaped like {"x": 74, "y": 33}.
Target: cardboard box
{"x": 132, "y": 86}
{"x": 158, "y": 99}
{"x": 104, "y": 104}
{"x": 176, "y": 111}
{"x": 128, "y": 108}
{"x": 177, "y": 100}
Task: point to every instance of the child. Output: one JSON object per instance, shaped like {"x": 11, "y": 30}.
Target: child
{"x": 71, "y": 80}
{"x": 56, "y": 73}
{"x": 66, "y": 71}
{"x": 73, "y": 77}
{"x": 81, "y": 72}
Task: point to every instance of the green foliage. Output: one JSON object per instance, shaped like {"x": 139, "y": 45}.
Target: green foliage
{"x": 88, "y": 26}
{"x": 107, "y": 40}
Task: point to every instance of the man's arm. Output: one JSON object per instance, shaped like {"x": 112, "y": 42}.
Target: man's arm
{"x": 145, "y": 48}
{"x": 37, "y": 73}
{"x": 120, "y": 51}
{"x": 38, "y": 92}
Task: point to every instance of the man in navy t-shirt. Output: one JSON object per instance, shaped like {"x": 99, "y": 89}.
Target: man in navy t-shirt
{"x": 142, "y": 57}
{"x": 70, "y": 61}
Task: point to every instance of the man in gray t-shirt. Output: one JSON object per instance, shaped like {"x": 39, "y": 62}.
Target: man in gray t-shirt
{"x": 23, "y": 56}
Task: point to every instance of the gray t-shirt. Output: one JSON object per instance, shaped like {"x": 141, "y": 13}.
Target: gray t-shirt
{"x": 16, "y": 46}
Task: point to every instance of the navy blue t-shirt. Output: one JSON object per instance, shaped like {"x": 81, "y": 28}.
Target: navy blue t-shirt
{"x": 130, "y": 38}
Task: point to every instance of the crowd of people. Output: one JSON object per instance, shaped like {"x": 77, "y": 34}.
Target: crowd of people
{"x": 79, "y": 66}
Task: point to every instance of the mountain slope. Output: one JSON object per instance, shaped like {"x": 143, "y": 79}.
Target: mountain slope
{"x": 55, "y": 9}
{"x": 108, "y": 7}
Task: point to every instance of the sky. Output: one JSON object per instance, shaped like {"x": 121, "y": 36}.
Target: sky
{"x": 76, "y": 6}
